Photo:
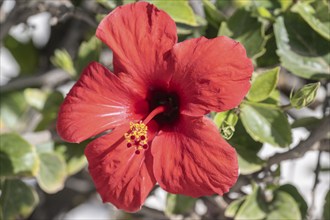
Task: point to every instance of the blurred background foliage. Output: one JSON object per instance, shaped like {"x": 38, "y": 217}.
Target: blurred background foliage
{"x": 43, "y": 177}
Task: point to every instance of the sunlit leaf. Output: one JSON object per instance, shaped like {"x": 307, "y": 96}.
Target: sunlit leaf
{"x": 180, "y": 11}
{"x": 283, "y": 206}
{"x": 301, "y": 50}
{"x": 307, "y": 12}
{"x": 266, "y": 123}
{"x": 17, "y": 199}
{"x": 253, "y": 207}
{"x": 18, "y": 157}
{"x": 246, "y": 29}
{"x": 233, "y": 207}
{"x": 293, "y": 192}
{"x": 52, "y": 172}
{"x": 263, "y": 84}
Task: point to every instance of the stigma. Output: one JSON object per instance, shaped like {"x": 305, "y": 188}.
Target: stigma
{"x": 137, "y": 136}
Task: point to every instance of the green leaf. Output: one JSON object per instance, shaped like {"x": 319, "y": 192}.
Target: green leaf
{"x": 35, "y": 97}
{"x": 263, "y": 85}
{"x": 233, "y": 207}
{"x": 73, "y": 155}
{"x": 18, "y": 157}
{"x": 274, "y": 98}
{"x": 307, "y": 12}
{"x": 285, "y": 4}
{"x": 283, "y": 207}
{"x": 178, "y": 204}
{"x": 180, "y": 11}
{"x": 63, "y": 60}
{"x": 304, "y": 96}
{"x": 269, "y": 58}
{"x": 247, "y": 150}
{"x": 301, "y": 50}
{"x": 52, "y": 172}
{"x": 266, "y": 123}
{"x": 88, "y": 51}
{"x": 50, "y": 111}
{"x": 26, "y": 55}
{"x": 17, "y": 200}
{"x": 326, "y": 207}
{"x": 246, "y": 29}
{"x": 12, "y": 107}
{"x": 212, "y": 14}
{"x": 253, "y": 207}
{"x": 307, "y": 122}
{"x": 293, "y": 192}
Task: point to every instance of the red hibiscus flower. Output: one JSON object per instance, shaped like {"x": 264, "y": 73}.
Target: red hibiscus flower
{"x": 154, "y": 103}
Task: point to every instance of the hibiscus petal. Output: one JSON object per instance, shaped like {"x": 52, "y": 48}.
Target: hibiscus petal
{"x": 193, "y": 159}
{"x": 211, "y": 74}
{"x": 99, "y": 101}
{"x": 139, "y": 35}
{"x": 121, "y": 177}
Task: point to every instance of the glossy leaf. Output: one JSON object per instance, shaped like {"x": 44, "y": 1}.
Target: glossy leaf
{"x": 263, "y": 84}
{"x": 180, "y": 11}
{"x": 233, "y": 207}
{"x": 269, "y": 58}
{"x": 246, "y": 29}
{"x": 266, "y": 123}
{"x": 17, "y": 200}
{"x": 88, "y": 51}
{"x": 307, "y": 12}
{"x": 253, "y": 207}
{"x": 293, "y": 192}
{"x": 304, "y": 96}
{"x": 247, "y": 150}
{"x": 283, "y": 206}
{"x": 212, "y": 14}
{"x": 52, "y": 172}
{"x": 18, "y": 157}
{"x": 307, "y": 122}
{"x": 301, "y": 50}
{"x": 178, "y": 204}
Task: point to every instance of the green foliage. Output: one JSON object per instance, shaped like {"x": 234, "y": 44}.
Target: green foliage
{"x": 63, "y": 60}
{"x": 266, "y": 123}
{"x": 17, "y": 200}
{"x": 304, "y": 96}
{"x": 18, "y": 157}
{"x": 88, "y": 51}
{"x": 180, "y": 11}
{"x": 247, "y": 30}
{"x": 26, "y": 55}
{"x": 263, "y": 85}
{"x": 178, "y": 204}
{"x": 52, "y": 172}
{"x": 226, "y": 122}
{"x": 301, "y": 50}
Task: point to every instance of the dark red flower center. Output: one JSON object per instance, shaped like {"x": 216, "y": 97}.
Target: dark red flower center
{"x": 171, "y": 102}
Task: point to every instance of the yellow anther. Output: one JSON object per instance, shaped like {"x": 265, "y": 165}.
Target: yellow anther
{"x": 137, "y": 136}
